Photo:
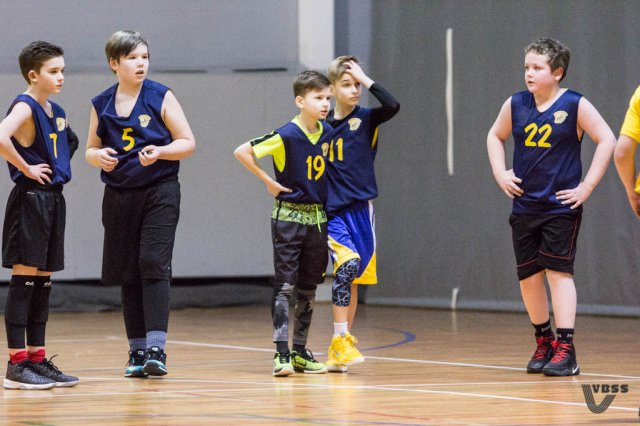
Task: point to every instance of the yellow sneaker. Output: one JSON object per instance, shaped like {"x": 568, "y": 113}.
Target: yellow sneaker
{"x": 343, "y": 352}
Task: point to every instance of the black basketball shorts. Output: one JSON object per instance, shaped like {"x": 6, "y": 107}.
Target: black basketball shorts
{"x": 545, "y": 242}
{"x": 34, "y": 224}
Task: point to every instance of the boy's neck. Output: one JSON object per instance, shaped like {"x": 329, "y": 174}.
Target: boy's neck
{"x": 128, "y": 89}
{"x": 39, "y": 96}
{"x": 342, "y": 110}
{"x": 543, "y": 98}
{"x": 310, "y": 124}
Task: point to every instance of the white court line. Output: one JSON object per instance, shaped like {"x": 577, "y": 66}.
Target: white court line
{"x": 270, "y": 385}
{"x": 417, "y": 361}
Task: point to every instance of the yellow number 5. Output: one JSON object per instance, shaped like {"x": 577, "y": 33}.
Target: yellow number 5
{"x": 545, "y": 131}
{"x": 127, "y": 138}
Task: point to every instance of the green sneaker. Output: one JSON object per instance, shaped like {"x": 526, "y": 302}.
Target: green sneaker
{"x": 282, "y": 364}
{"x": 305, "y": 363}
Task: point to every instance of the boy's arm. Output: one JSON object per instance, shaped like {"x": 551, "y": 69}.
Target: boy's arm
{"x": 96, "y": 154}
{"x": 498, "y": 135}
{"x": 244, "y": 154}
{"x": 590, "y": 120}
{"x": 390, "y": 105}
{"x": 183, "y": 143}
{"x": 624, "y": 157}
{"x": 73, "y": 141}
{"x": 19, "y": 115}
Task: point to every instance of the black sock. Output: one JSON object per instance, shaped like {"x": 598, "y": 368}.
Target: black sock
{"x": 298, "y": 348}
{"x": 565, "y": 335}
{"x": 39, "y": 311}
{"x": 16, "y": 312}
{"x": 543, "y": 329}
{"x": 282, "y": 347}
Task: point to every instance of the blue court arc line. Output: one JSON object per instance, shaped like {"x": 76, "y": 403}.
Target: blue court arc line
{"x": 408, "y": 338}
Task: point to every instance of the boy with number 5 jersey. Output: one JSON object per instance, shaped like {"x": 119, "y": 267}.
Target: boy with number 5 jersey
{"x": 137, "y": 135}
{"x": 548, "y": 124}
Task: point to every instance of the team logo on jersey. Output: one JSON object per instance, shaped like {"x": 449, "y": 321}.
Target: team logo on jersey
{"x": 560, "y": 116}
{"x": 61, "y": 123}
{"x": 354, "y": 123}
{"x": 144, "y": 120}
{"x": 325, "y": 149}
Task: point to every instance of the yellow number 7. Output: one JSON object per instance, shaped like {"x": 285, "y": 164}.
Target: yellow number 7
{"x": 54, "y": 137}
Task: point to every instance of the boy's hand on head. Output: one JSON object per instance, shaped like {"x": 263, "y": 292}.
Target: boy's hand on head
{"x": 508, "y": 181}
{"x": 107, "y": 159}
{"x": 576, "y": 196}
{"x": 275, "y": 188}
{"x": 149, "y": 155}
{"x": 39, "y": 173}
{"x": 355, "y": 70}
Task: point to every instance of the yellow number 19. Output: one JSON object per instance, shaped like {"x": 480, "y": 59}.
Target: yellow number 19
{"x": 315, "y": 163}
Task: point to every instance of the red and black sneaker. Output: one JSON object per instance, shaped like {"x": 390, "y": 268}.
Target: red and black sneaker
{"x": 564, "y": 361}
{"x": 542, "y": 355}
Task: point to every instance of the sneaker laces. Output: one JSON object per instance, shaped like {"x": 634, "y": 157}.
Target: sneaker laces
{"x": 544, "y": 343}
{"x": 308, "y": 355}
{"x": 50, "y": 365}
{"x": 561, "y": 351}
{"x": 284, "y": 357}
{"x": 352, "y": 339}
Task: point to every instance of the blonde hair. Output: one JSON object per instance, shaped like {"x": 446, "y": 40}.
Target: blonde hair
{"x": 337, "y": 68}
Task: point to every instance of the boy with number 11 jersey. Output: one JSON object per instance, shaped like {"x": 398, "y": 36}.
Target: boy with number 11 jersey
{"x": 351, "y": 187}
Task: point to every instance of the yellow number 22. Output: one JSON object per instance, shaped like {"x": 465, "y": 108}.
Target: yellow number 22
{"x": 545, "y": 131}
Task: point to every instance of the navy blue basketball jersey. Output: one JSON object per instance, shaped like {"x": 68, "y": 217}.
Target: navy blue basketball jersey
{"x": 351, "y": 173}
{"x": 304, "y": 170}
{"x": 547, "y": 151}
{"x": 50, "y": 144}
{"x": 128, "y": 135}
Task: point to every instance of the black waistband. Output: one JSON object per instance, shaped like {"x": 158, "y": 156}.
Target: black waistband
{"x": 30, "y": 183}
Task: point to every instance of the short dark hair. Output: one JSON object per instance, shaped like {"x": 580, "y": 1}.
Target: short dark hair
{"x": 123, "y": 42}
{"x": 309, "y": 80}
{"x": 35, "y": 54}
{"x": 557, "y": 52}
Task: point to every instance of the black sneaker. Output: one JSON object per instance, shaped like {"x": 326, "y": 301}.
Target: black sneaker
{"x": 135, "y": 364}
{"x": 563, "y": 362}
{"x": 542, "y": 355}
{"x": 23, "y": 376}
{"x": 47, "y": 369}
{"x": 154, "y": 364}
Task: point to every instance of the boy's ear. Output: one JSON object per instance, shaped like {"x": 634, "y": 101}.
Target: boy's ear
{"x": 33, "y": 76}
{"x": 299, "y": 101}
{"x": 558, "y": 73}
{"x": 113, "y": 63}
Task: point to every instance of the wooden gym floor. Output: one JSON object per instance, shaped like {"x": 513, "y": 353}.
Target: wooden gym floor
{"x": 423, "y": 367}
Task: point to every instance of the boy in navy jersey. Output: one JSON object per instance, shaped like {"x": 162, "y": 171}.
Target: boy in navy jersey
{"x": 298, "y": 221}
{"x": 548, "y": 124}
{"x": 137, "y": 135}
{"x": 35, "y": 140}
{"x": 351, "y": 187}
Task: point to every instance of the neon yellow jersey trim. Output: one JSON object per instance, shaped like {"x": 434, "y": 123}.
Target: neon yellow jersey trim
{"x": 274, "y": 146}
{"x": 313, "y": 137}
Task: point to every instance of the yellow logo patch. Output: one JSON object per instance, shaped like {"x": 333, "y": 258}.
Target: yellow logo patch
{"x": 354, "y": 123}
{"x": 61, "y": 123}
{"x": 144, "y": 120}
{"x": 325, "y": 149}
{"x": 560, "y": 116}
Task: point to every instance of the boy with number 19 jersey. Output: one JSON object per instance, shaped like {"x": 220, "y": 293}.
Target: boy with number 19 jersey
{"x": 351, "y": 187}
{"x": 298, "y": 220}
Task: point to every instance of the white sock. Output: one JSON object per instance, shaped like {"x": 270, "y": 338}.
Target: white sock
{"x": 340, "y": 328}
